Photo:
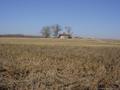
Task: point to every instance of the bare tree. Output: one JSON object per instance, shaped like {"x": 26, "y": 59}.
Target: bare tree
{"x": 55, "y": 30}
{"x": 68, "y": 30}
{"x": 46, "y": 31}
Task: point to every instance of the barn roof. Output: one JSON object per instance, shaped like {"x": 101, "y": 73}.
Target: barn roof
{"x": 64, "y": 34}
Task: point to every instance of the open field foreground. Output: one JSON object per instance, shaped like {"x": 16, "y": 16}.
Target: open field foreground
{"x": 54, "y": 64}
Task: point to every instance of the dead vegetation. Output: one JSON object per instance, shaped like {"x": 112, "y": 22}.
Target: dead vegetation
{"x": 33, "y": 67}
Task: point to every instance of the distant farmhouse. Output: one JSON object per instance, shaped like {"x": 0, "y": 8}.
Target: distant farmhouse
{"x": 64, "y": 36}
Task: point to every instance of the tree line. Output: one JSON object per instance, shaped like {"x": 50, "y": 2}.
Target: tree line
{"x": 54, "y": 31}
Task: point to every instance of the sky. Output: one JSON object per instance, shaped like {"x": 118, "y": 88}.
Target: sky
{"x": 88, "y": 18}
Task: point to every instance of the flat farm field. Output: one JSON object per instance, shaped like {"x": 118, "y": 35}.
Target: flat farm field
{"x": 59, "y": 64}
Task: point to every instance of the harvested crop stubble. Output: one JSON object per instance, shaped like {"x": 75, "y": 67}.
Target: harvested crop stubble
{"x": 33, "y": 67}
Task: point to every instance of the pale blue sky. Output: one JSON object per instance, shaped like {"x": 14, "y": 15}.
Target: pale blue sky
{"x": 91, "y": 18}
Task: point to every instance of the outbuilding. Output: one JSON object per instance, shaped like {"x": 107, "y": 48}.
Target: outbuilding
{"x": 64, "y": 36}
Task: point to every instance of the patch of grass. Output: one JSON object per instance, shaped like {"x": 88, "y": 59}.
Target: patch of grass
{"x": 60, "y": 42}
